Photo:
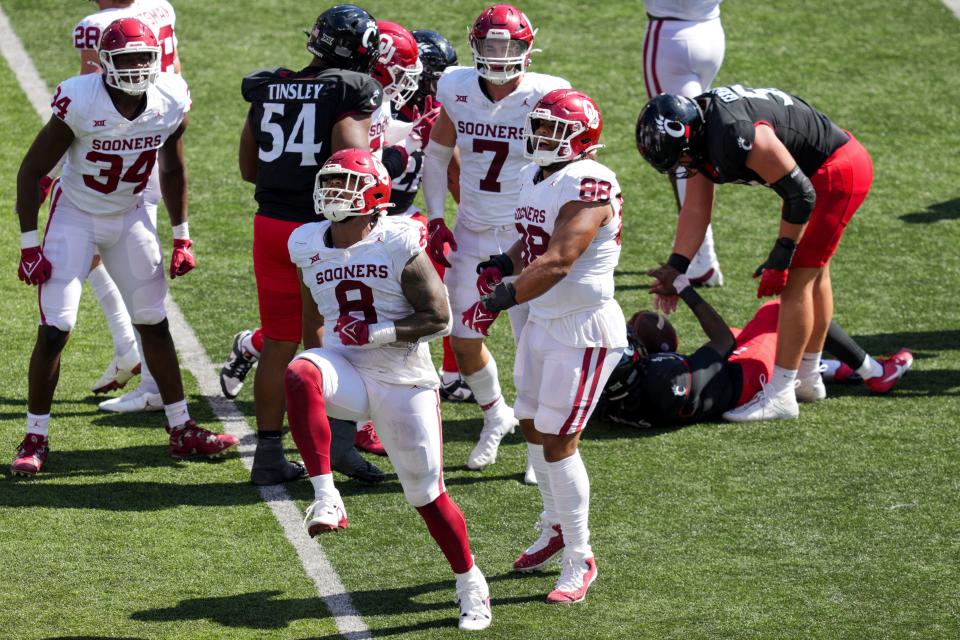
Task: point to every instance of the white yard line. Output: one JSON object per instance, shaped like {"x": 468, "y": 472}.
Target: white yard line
{"x": 192, "y": 355}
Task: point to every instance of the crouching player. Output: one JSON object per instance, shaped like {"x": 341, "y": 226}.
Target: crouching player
{"x": 380, "y": 300}
{"x": 569, "y": 218}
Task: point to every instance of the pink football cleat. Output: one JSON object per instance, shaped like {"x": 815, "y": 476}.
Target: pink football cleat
{"x": 537, "y": 555}
{"x": 190, "y": 441}
{"x": 368, "y": 440}
{"x": 575, "y": 578}
{"x": 893, "y": 369}
{"x": 31, "y": 454}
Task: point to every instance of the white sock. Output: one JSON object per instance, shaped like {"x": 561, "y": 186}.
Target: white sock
{"x": 485, "y": 385}
{"x": 147, "y": 382}
{"x": 449, "y": 377}
{"x": 535, "y": 456}
{"x": 830, "y": 368}
{"x": 113, "y": 309}
{"x": 38, "y": 424}
{"x": 571, "y": 492}
{"x": 783, "y": 380}
{"x": 809, "y": 365}
{"x": 177, "y": 413}
{"x": 247, "y": 345}
{"x": 322, "y": 485}
{"x": 870, "y": 368}
{"x": 473, "y": 575}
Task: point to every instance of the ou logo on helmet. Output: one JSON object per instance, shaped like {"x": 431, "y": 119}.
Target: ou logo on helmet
{"x": 387, "y": 48}
{"x": 673, "y": 128}
{"x": 591, "y": 114}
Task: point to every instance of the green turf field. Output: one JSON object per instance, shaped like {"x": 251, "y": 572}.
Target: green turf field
{"x": 843, "y": 524}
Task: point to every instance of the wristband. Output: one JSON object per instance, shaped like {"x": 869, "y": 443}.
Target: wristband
{"x": 681, "y": 282}
{"x": 678, "y": 262}
{"x": 383, "y": 332}
{"x": 29, "y": 239}
{"x": 181, "y": 231}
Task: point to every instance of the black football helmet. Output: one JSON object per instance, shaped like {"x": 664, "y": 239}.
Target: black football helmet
{"x": 345, "y": 37}
{"x": 669, "y": 127}
{"x": 436, "y": 54}
{"x": 626, "y": 375}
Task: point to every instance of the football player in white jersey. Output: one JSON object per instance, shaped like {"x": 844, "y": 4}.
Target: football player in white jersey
{"x": 113, "y": 128}
{"x": 569, "y": 216}
{"x": 367, "y": 279}
{"x": 482, "y": 115}
{"x": 682, "y": 52}
{"x": 161, "y": 18}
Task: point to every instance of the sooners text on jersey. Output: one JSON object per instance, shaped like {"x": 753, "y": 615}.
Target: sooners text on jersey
{"x": 364, "y": 281}
{"x": 110, "y": 160}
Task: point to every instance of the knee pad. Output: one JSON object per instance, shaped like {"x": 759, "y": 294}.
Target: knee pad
{"x": 149, "y": 316}
{"x": 61, "y": 323}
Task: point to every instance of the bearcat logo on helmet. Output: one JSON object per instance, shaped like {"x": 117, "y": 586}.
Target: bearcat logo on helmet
{"x": 670, "y": 127}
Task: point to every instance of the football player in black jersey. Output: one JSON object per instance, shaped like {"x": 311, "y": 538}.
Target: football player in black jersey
{"x": 822, "y": 173}
{"x": 653, "y": 387}
{"x": 297, "y": 119}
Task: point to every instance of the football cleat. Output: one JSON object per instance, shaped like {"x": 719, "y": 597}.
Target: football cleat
{"x": 765, "y": 405}
{"x": 368, "y": 440}
{"x": 811, "y": 389}
{"x": 453, "y": 388}
{"x": 836, "y": 371}
{"x": 324, "y": 515}
{"x": 893, "y": 369}
{"x": 119, "y": 371}
{"x": 576, "y": 576}
{"x": 238, "y": 365}
{"x": 473, "y": 598}
{"x": 133, "y": 401}
{"x": 541, "y": 552}
{"x": 270, "y": 466}
{"x": 497, "y": 422}
{"x": 31, "y": 454}
{"x": 191, "y": 441}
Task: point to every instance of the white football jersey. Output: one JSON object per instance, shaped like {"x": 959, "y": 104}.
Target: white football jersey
{"x": 364, "y": 280}
{"x": 379, "y": 123}
{"x": 108, "y": 165}
{"x": 693, "y": 10}
{"x": 580, "y": 310}
{"x": 156, "y": 14}
{"x": 490, "y": 139}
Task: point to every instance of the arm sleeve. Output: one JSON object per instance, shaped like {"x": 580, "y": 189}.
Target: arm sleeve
{"x": 436, "y": 159}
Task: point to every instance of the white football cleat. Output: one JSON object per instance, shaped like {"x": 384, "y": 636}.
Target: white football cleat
{"x": 497, "y": 422}
{"x": 544, "y": 548}
{"x": 473, "y": 597}
{"x": 133, "y": 402}
{"x": 238, "y": 365}
{"x": 325, "y": 514}
{"x": 119, "y": 371}
{"x": 576, "y": 576}
{"x": 766, "y": 405}
{"x": 811, "y": 389}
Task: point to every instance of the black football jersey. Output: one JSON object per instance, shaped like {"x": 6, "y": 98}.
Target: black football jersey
{"x": 730, "y": 115}
{"x": 292, "y": 114}
{"x": 675, "y": 389}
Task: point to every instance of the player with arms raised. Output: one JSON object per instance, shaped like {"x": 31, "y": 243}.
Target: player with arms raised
{"x": 367, "y": 278}
{"x": 482, "y": 115}
{"x": 569, "y": 215}
{"x": 113, "y": 129}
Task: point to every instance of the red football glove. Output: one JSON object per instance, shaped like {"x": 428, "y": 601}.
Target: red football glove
{"x": 489, "y": 278}
{"x": 424, "y": 124}
{"x": 440, "y": 235}
{"x": 34, "y": 267}
{"x": 353, "y": 332}
{"x": 772, "y": 282}
{"x": 182, "y": 259}
{"x": 479, "y": 318}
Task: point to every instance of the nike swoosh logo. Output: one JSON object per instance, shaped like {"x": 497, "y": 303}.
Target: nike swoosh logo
{"x": 896, "y": 374}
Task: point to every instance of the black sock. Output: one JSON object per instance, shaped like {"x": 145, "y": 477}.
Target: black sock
{"x": 841, "y": 345}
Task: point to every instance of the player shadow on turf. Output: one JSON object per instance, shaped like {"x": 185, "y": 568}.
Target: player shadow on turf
{"x": 264, "y": 610}
{"x": 137, "y": 496}
{"x": 946, "y": 210}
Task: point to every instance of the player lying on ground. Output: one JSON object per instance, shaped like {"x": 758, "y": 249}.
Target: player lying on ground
{"x": 368, "y": 281}
{"x": 655, "y": 386}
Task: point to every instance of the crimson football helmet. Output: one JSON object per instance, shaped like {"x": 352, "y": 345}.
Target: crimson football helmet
{"x": 573, "y": 125}
{"x": 501, "y": 40}
{"x": 398, "y": 68}
{"x": 124, "y": 37}
{"x": 352, "y": 182}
